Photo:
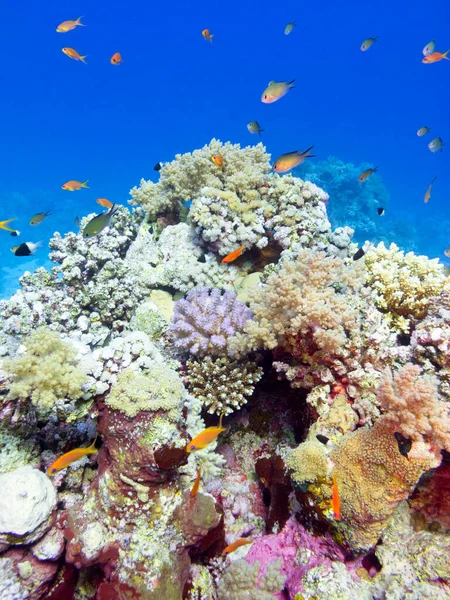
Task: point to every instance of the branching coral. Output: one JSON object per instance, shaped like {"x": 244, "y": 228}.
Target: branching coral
{"x": 204, "y": 321}
{"x": 404, "y": 284}
{"x": 46, "y": 373}
{"x": 183, "y": 179}
{"x": 222, "y": 385}
{"x": 411, "y": 407}
{"x": 158, "y": 389}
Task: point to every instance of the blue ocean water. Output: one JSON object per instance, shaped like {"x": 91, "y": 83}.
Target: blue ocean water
{"x": 62, "y": 119}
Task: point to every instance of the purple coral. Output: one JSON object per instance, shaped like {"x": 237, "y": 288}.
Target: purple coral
{"x": 203, "y": 322}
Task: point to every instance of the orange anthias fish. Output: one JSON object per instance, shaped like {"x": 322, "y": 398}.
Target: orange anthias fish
{"x": 366, "y": 174}
{"x": 205, "y": 437}
{"x": 73, "y": 185}
{"x": 435, "y": 57}
{"x": 235, "y": 545}
{"x": 288, "y": 161}
{"x": 71, "y": 53}
{"x": 116, "y": 59}
{"x": 336, "y": 501}
{"x": 217, "y": 160}
{"x": 207, "y": 35}
{"x": 428, "y": 192}
{"x": 69, "y": 25}
{"x": 70, "y": 457}
{"x": 233, "y": 255}
{"x": 104, "y": 202}
{"x": 196, "y": 485}
{"x": 4, "y": 223}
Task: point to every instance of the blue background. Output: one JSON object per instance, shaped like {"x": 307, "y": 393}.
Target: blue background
{"x": 61, "y": 119}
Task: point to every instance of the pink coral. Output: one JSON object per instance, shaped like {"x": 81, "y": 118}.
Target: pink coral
{"x": 411, "y": 406}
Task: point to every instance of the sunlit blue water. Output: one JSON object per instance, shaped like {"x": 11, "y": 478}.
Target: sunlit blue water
{"x": 61, "y": 119}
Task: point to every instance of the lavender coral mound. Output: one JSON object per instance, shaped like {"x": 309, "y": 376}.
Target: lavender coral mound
{"x": 205, "y": 319}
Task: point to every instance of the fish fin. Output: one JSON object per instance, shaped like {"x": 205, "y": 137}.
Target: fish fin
{"x": 36, "y": 246}
{"x": 290, "y": 83}
{"x": 49, "y": 212}
{"x": 211, "y": 37}
{"x": 3, "y": 224}
{"x": 92, "y": 447}
{"x": 220, "y": 420}
{"x": 306, "y": 152}
{"x": 433, "y": 180}
{"x": 271, "y": 83}
{"x": 84, "y": 184}
{"x": 82, "y": 58}
{"x": 79, "y": 22}
{"x": 375, "y": 169}
{"x": 445, "y": 55}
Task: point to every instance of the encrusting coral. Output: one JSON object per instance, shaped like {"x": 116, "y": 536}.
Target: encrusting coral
{"x": 204, "y": 321}
{"x": 221, "y": 384}
{"x": 48, "y": 372}
{"x": 404, "y": 284}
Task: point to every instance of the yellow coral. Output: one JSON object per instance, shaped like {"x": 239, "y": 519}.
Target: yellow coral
{"x": 308, "y": 462}
{"x": 47, "y": 372}
{"x": 404, "y": 284}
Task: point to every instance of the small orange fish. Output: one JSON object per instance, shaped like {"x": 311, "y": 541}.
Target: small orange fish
{"x": 4, "y": 223}
{"x": 207, "y": 35}
{"x": 235, "y": 545}
{"x": 71, "y": 53}
{"x": 116, "y": 59}
{"x": 435, "y": 57}
{"x": 73, "y": 185}
{"x": 205, "y": 437}
{"x": 196, "y": 485}
{"x": 104, "y": 202}
{"x": 366, "y": 174}
{"x": 428, "y": 192}
{"x": 69, "y": 25}
{"x": 70, "y": 457}
{"x": 217, "y": 160}
{"x": 336, "y": 501}
{"x": 233, "y": 255}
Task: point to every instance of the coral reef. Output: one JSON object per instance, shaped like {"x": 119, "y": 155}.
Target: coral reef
{"x": 204, "y": 321}
{"x": 221, "y": 384}
{"x": 353, "y": 404}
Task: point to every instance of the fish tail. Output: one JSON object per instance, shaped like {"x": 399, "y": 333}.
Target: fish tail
{"x": 84, "y": 184}
{"x": 3, "y": 224}
{"x": 92, "y": 447}
{"x": 305, "y": 153}
{"x": 290, "y": 83}
{"x": 49, "y": 212}
{"x": 433, "y": 180}
{"x": 220, "y": 420}
{"x": 35, "y": 246}
{"x": 445, "y": 55}
{"x": 82, "y": 59}
{"x": 375, "y": 168}
{"x": 79, "y": 22}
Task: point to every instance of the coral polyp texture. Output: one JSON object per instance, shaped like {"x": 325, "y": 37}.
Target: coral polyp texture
{"x": 203, "y": 322}
{"x": 316, "y": 388}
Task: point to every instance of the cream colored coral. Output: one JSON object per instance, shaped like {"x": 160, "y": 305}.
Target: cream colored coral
{"x": 222, "y": 385}
{"x": 183, "y": 178}
{"x": 404, "y": 284}
{"x": 47, "y": 372}
{"x": 300, "y": 299}
{"x": 308, "y": 462}
{"x": 412, "y": 407}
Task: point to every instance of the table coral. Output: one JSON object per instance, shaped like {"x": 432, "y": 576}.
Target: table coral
{"x": 47, "y": 372}
{"x": 404, "y": 284}
{"x": 221, "y": 384}
{"x": 183, "y": 179}
{"x": 204, "y": 321}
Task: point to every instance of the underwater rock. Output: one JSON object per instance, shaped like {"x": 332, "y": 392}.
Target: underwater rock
{"x": 27, "y": 501}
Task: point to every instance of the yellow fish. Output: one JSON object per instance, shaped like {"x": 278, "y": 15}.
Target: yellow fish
{"x": 276, "y": 90}
{"x": 235, "y": 545}
{"x": 288, "y": 161}
{"x": 428, "y": 192}
{"x": 205, "y": 437}
{"x": 4, "y": 223}
{"x": 69, "y": 25}
{"x": 71, "y": 53}
{"x": 70, "y": 457}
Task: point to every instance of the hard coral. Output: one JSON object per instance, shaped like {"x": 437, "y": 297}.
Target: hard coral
{"x": 222, "y": 384}
{"x": 183, "y": 179}
{"x": 404, "y": 284}
{"x": 203, "y": 322}
{"x": 241, "y": 581}
{"x": 47, "y": 373}
{"x": 158, "y": 389}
